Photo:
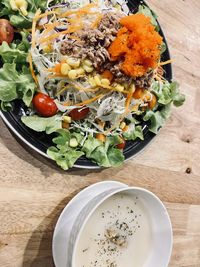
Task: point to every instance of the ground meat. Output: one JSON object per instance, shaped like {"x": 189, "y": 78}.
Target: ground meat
{"x": 94, "y": 42}
{"x": 144, "y": 81}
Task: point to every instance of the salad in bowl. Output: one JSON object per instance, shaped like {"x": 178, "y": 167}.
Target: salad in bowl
{"x": 89, "y": 72}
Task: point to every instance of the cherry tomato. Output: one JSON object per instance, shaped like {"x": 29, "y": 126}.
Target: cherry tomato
{"x": 6, "y": 31}
{"x": 122, "y": 144}
{"x": 44, "y": 105}
{"x": 79, "y": 113}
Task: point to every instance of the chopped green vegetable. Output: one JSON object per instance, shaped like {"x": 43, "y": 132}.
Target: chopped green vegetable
{"x": 10, "y": 54}
{"x": 133, "y": 134}
{"x": 40, "y": 124}
{"x": 149, "y": 13}
{"x": 105, "y": 155}
{"x": 16, "y": 86}
{"x": 168, "y": 93}
{"x": 157, "y": 118}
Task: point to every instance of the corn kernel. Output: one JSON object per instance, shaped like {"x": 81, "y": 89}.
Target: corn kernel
{"x": 72, "y": 74}
{"x": 13, "y": 5}
{"x": 92, "y": 82}
{"x": 73, "y": 142}
{"x": 80, "y": 71}
{"x": 125, "y": 129}
{"x": 97, "y": 80}
{"x": 67, "y": 119}
{"x": 88, "y": 69}
{"x": 74, "y": 63}
{"x": 21, "y": 3}
{"x": 122, "y": 125}
{"x": 65, "y": 68}
{"x": 105, "y": 82}
{"x": 119, "y": 88}
{"x": 47, "y": 48}
{"x": 87, "y": 62}
{"x": 132, "y": 88}
{"x": 24, "y": 11}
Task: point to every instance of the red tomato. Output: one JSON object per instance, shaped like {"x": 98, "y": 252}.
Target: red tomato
{"x": 79, "y": 113}
{"x": 122, "y": 144}
{"x": 44, "y": 105}
{"x": 6, "y": 31}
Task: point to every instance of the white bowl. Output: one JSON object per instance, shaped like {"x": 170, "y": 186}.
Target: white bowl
{"x": 76, "y": 214}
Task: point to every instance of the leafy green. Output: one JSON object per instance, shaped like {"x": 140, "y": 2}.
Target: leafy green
{"x": 163, "y": 48}
{"x": 157, "y": 118}
{"x": 133, "y": 134}
{"x": 168, "y": 93}
{"x": 16, "y": 17}
{"x": 10, "y": 54}
{"x": 6, "y": 106}
{"x": 105, "y": 155}
{"x": 16, "y": 85}
{"x": 41, "y": 124}
{"x": 63, "y": 154}
{"x": 143, "y": 9}
{"x": 90, "y": 145}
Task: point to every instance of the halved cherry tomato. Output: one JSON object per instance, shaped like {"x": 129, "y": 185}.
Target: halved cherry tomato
{"x": 6, "y": 31}
{"x": 44, "y": 105}
{"x": 79, "y": 113}
{"x": 122, "y": 144}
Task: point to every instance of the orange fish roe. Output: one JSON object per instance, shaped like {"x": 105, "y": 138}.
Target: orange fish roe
{"x": 137, "y": 44}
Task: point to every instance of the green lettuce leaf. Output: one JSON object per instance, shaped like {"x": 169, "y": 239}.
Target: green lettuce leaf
{"x": 10, "y": 54}
{"x": 157, "y": 118}
{"x": 40, "y": 124}
{"x": 6, "y": 106}
{"x": 65, "y": 159}
{"x": 143, "y": 9}
{"x": 168, "y": 93}
{"x": 105, "y": 155}
{"x": 15, "y": 16}
{"x": 133, "y": 134}
{"x": 64, "y": 155}
{"x": 16, "y": 85}
{"x": 90, "y": 145}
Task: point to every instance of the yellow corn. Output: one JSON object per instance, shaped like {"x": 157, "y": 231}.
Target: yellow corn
{"x": 122, "y": 125}
{"x": 65, "y": 68}
{"x": 97, "y": 80}
{"x": 23, "y": 10}
{"x": 119, "y": 88}
{"x": 67, "y": 119}
{"x": 74, "y": 63}
{"x": 92, "y": 82}
{"x": 88, "y": 69}
{"x": 47, "y": 48}
{"x": 87, "y": 62}
{"x": 105, "y": 82}
{"x": 132, "y": 88}
{"x": 80, "y": 71}
{"x": 72, "y": 74}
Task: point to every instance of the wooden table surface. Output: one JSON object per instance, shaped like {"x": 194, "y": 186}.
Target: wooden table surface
{"x": 33, "y": 193}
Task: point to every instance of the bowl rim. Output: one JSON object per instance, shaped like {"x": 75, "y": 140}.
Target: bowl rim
{"x": 140, "y": 189}
{"x": 74, "y": 199}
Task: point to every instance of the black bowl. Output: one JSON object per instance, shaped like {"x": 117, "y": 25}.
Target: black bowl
{"x": 41, "y": 141}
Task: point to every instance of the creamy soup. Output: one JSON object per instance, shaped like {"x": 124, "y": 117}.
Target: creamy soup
{"x": 118, "y": 234}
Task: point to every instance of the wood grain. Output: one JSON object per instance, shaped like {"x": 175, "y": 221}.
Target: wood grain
{"x": 33, "y": 192}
